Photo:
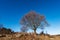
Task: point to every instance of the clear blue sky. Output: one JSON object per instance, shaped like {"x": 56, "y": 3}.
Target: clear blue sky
{"x": 11, "y": 11}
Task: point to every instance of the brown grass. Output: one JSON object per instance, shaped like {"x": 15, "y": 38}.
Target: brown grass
{"x": 29, "y": 36}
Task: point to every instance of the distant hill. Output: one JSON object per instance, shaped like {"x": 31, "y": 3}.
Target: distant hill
{"x": 5, "y": 31}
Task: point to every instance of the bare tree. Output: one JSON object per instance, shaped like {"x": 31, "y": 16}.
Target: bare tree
{"x": 33, "y": 20}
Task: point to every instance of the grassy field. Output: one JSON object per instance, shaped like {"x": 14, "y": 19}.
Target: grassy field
{"x": 29, "y": 36}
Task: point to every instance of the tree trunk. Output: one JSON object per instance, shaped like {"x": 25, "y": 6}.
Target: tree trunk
{"x": 35, "y": 31}
{"x": 42, "y": 29}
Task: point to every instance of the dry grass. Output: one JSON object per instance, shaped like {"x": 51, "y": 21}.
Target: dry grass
{"x": 29, "y": 36}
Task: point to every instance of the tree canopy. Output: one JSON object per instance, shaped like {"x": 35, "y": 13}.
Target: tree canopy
{"x": 34, "y": 20}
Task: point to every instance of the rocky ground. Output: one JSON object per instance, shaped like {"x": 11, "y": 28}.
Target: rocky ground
{"x": 29, "y": 36}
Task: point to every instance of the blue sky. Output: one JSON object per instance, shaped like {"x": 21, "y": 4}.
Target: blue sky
{"x": 11, "y": 12}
